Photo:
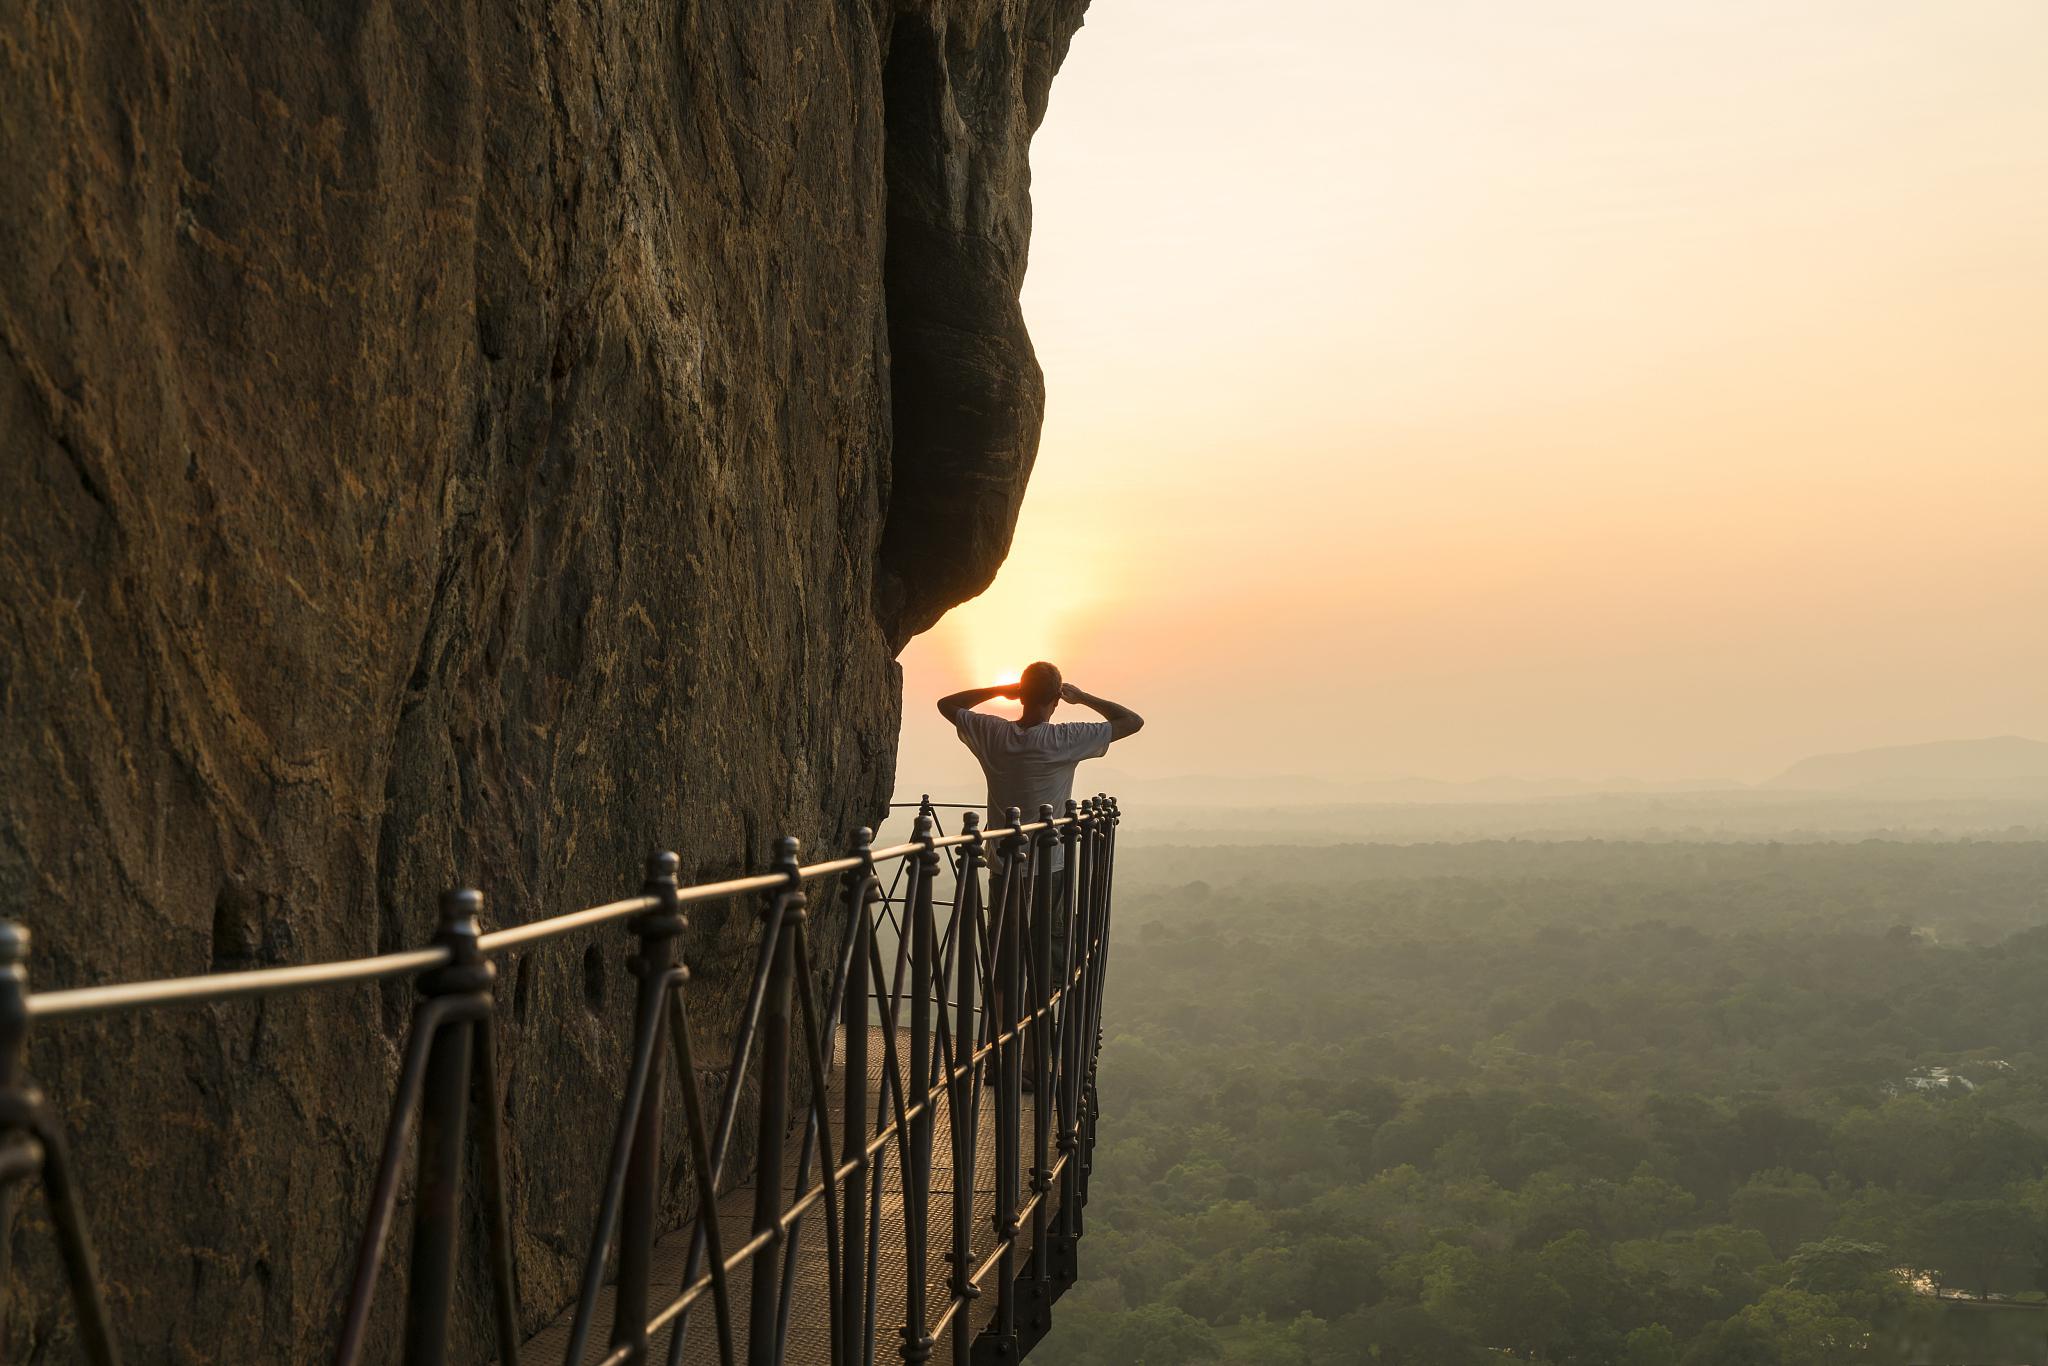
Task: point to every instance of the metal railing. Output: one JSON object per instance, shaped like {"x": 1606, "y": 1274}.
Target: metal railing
{"x": 1007, "y": 997}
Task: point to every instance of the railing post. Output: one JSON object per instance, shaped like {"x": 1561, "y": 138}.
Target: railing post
{"x": 32, "y": 1149}
{"x": 917, "y": 1341}
{"x": 1106, "y": 888}
{"x": 1091, "y": 981}
{"x": 653, "y": 958}
{"x": 785, "y": 907}
{"x": 707, "y": 1162}
{"x": 862, "y": 889}
{"x": 964, "y": 1086}
{"x": 1044, "y": 900}
{"x": 450, "y": 1064}
{"x": 1116, "y": 818}
{"x": 998, "y": 1344}
{"x": 1073, "y": 1018}
{"x": 445, "y": 1100}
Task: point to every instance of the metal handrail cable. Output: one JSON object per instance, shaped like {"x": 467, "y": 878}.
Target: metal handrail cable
{"x": 219, "y": 986}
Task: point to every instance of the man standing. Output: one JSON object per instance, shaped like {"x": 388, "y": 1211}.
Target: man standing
{"x": 1030, "y": 762}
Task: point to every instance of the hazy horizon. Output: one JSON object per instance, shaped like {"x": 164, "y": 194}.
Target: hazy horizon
{"x": 1459, "y": 391}
{"x": 1107, "y": 773}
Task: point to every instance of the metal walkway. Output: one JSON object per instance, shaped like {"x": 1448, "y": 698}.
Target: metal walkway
{"x": 809, "y": 1327}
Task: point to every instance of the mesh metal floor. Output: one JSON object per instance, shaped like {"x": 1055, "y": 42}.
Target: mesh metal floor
{"x": 810, "y": 1323}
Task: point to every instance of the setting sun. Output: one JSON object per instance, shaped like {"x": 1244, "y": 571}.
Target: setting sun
{"x": 1525, "y": 393}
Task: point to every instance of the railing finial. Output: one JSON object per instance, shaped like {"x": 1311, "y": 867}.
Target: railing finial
{"x": 467, "y": 970}
{"x": 785, "y": 861}
{"x": 663, "y": 921}
{"x": 663, "y": 866}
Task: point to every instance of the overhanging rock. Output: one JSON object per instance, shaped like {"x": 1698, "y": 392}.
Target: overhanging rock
{"x": 453, "y": 444}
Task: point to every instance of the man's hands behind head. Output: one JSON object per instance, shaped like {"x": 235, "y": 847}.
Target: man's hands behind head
{"x": 1122, "y": 720}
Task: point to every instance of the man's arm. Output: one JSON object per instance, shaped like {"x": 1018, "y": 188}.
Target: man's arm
{"x": 1122, "y": 720}
{"x": 952, "y": 704}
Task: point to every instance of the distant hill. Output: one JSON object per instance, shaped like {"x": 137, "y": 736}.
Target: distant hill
{"x": 1217, "y": 790}
{"x": 2003, "y": 766}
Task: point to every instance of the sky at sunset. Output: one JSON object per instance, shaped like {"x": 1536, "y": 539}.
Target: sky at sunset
{"x": 1647, "y": 387}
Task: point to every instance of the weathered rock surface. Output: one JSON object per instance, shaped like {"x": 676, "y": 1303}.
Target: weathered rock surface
{"x": 453, "y": 443}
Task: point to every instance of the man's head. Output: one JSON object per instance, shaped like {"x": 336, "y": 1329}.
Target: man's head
{"x": 1040, "y": 686}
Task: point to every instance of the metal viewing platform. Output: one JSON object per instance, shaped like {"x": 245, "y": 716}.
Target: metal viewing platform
{"x": 921, "y": 1097}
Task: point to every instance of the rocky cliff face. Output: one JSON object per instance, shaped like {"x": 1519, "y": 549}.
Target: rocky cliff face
{"x": 458, "y": 443}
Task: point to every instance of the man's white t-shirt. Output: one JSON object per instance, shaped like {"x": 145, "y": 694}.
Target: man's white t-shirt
{"x": 1029, "y": 766}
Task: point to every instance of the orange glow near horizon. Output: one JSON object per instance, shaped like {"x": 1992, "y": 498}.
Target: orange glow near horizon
{"x": 1585, "y": 389}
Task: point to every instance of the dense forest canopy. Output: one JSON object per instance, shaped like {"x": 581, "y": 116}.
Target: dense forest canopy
{"x": 1623, "y": 1104}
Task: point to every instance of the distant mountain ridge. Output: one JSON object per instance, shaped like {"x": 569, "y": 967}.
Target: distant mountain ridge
{"x": 1290, "y": 790}
{"x": 1999, "y": 766}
